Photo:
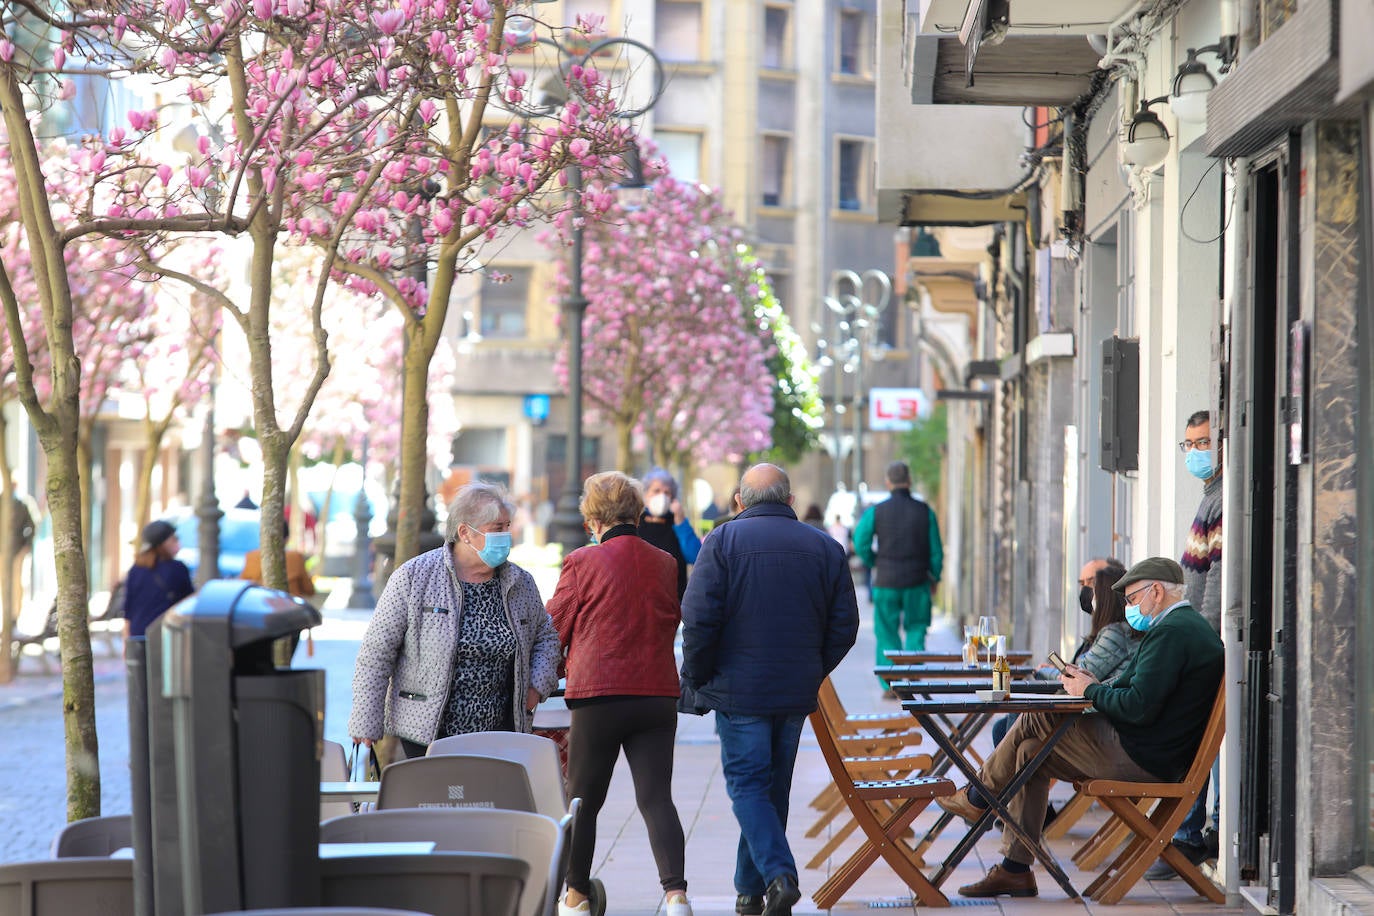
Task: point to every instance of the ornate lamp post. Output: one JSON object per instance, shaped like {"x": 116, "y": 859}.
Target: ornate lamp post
{"x": 857, "y": 302}
{"x": 361, "y": 594}
{"x": 566, "y": 524}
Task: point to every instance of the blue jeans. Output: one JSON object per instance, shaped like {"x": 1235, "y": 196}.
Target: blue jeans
{"x": 757, "y": 755}
{"x": 1190, "y": 831}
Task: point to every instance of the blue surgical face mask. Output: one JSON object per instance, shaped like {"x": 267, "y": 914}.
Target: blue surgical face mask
{"x": 1198, "y": 461}
{"x": 496, "y": 548}
{"x": 1137, "y": 620}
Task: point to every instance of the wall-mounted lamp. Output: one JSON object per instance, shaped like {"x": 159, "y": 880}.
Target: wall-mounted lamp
{"x": 1147, "y": 139}
{"x": 1188, "y": 100}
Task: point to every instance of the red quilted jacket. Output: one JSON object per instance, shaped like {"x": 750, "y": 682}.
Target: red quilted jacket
{"x": 617, "y": 612}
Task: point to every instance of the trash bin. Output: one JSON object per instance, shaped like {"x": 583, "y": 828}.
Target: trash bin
{"x": 234, "y": 748}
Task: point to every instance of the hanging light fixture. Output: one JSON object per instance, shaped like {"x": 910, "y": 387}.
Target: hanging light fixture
{"x": 1147, "y": 139}
{"x": 1194, "y": 81}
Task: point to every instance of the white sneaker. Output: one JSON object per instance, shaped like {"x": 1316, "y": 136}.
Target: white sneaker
{"x": 677, "y": 905}
{"x": 580, "y": 910}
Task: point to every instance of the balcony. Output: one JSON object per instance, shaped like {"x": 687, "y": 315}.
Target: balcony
{"x": 926, "y": 151}
{"x": 1005, "y": 52}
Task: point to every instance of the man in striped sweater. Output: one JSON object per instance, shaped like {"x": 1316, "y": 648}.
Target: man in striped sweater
{"x": 1201, "y": 562}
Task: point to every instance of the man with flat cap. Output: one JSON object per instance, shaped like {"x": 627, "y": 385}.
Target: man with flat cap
{"x": 1146, "y": 727}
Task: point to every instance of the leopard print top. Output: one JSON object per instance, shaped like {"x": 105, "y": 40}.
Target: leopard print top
{"x": 483, "y": 667}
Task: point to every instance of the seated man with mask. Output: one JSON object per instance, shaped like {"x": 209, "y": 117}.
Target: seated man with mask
{"x": 1146, "y": 727}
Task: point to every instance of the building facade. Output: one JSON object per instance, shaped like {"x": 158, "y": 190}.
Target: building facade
{"x": 1179, "y": 194}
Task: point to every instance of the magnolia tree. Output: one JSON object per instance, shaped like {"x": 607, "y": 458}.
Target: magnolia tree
{"x": 177, "y": 367}
{"x": 368, "y": 128}
{"x": 672, "y": 352}
{"x": 361, "y": 399}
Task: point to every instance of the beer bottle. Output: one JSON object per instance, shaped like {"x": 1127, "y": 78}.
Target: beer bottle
{"x": 1001, "y": 671}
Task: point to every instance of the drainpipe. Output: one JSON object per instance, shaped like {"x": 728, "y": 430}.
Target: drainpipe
{"x": 1236, "y": 550}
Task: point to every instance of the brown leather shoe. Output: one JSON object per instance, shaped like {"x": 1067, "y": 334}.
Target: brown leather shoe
{"x": 999, "y": 881}
{"x": 959, "y": 805}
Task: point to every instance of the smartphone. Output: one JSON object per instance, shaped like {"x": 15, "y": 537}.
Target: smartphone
{"x": 1058, "y": 662}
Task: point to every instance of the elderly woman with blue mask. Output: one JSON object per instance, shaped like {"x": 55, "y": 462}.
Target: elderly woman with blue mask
{"x": 460, "y": 641}
{"x": 665, "y": 524}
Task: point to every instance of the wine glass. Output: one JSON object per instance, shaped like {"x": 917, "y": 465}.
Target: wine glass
{"x": 987, "y": 635}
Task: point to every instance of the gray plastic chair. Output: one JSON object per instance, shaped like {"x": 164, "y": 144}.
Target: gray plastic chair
{"x": 456, "y": 781}
{"x": 440, "y": 884}
{"x": 539, "y": 840}
{"x": 62, "y": 887}
{"x": 322, "y": 911}
{"x": 538, "y": 755}
{"x": 94, "y": 836}
{"x": 334, "y": 768}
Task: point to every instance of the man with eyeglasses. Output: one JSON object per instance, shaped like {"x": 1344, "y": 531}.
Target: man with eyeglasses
{"x": 1201, "y": 562}
{"x": 1147, "y": 726}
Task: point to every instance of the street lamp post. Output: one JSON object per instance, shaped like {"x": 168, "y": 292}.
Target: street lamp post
{"x": 208, "y": 510}
{"x": 566, "y": 524}
{"x": 857, "y": 301}
{"x": 361, "y": 594}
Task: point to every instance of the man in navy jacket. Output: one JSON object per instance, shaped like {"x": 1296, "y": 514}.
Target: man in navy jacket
{"x": 769, "y": 612}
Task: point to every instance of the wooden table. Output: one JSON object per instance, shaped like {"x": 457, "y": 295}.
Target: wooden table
{"x": 932, "y": 713}
{"x": 965, "y": 729}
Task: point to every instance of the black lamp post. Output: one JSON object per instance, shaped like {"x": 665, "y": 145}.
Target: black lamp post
{"x": 361, "y": 594}
{"x": 566, "y": 524}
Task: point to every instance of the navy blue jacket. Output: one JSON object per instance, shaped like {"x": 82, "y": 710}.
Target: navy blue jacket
{"x": 769, "y": 612}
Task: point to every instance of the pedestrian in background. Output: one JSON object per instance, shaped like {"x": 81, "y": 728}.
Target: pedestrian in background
{"x": 665, "y": 524}
{"x": 298, "y": 579}
{"x": 616, "y": 611}
{"x": 769, "y": 613}
{"x": 906, "y": 564}
{"x": 156, "y": 581}
{"x": 460, "y": 641}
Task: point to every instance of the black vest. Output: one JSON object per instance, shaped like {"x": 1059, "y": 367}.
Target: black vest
{"x": 901, "y": 524}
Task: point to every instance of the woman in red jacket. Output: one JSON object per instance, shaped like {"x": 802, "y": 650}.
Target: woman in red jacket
{"x": 616, "y": 610}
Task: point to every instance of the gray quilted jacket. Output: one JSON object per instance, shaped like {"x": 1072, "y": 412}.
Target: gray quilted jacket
{"x": 405, "y": 663}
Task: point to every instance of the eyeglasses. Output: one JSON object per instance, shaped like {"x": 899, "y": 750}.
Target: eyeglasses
{"x": 1187, "y": 444}
{"x": 1130, "y": 596}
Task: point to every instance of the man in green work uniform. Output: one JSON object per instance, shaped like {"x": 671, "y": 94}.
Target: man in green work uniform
{"x": 906, "y": 564}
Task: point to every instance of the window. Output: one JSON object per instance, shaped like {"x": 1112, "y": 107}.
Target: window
{"x": 853, "y": 189}
{"x": 503, "y": 304}
{"x": 773, "y": 180}
{"x": 682, "y": 149}
{"x": 677, "y": 30}
{"x": 853, "y": 51}
{"x": 776, "y": 51}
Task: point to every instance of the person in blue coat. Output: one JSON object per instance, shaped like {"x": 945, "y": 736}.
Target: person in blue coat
{"x": 768, "y": 614}
{"x": 156, "y": 581}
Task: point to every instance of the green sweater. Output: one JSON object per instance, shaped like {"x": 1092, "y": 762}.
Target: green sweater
{"x": 1160, "y": 703}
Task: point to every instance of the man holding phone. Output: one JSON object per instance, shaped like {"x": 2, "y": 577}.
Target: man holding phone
{"x": 1148, "y": 725}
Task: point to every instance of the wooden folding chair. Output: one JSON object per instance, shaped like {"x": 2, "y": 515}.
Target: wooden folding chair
{"x": 1068, "y": 815}
{"x": 883, "y": 809}
{"x": 876, "y": 735}
{"x": 1153, "y": 834}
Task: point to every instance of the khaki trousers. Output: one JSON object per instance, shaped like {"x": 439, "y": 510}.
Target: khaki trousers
{"x": 1090, "y": 749}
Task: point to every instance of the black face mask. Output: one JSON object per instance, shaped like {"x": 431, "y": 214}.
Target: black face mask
{"x": 1085, "y": 599}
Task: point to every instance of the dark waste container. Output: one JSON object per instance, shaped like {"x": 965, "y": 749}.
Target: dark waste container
{"x": 233, "y": 756}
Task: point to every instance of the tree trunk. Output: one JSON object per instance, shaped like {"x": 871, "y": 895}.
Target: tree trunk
{"x": 414, "y": 451}
{"x": 85, "y": 468}
{"x": 153, "y": 434}
{"x": 73, "y": 616}
{"x": 9, "y": 591}
{"x": 624, "y": 445}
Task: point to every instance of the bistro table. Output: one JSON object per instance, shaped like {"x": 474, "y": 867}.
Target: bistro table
{"x": 891, "y": 673}
{"x": 907, "y": 657}
{"x": 350, "y": 791}
{"x": 932, "y": 713}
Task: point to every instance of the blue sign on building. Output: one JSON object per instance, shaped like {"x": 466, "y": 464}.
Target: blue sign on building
{"x": 537, "y": 408}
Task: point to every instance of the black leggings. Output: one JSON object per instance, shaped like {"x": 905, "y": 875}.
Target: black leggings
{"x": 646, "y": 727}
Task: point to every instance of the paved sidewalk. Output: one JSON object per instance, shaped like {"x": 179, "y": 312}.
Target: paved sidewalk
{"x": 30, "y": 709}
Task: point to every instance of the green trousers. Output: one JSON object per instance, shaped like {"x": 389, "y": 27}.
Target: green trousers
{"x": 898, "y": 611}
